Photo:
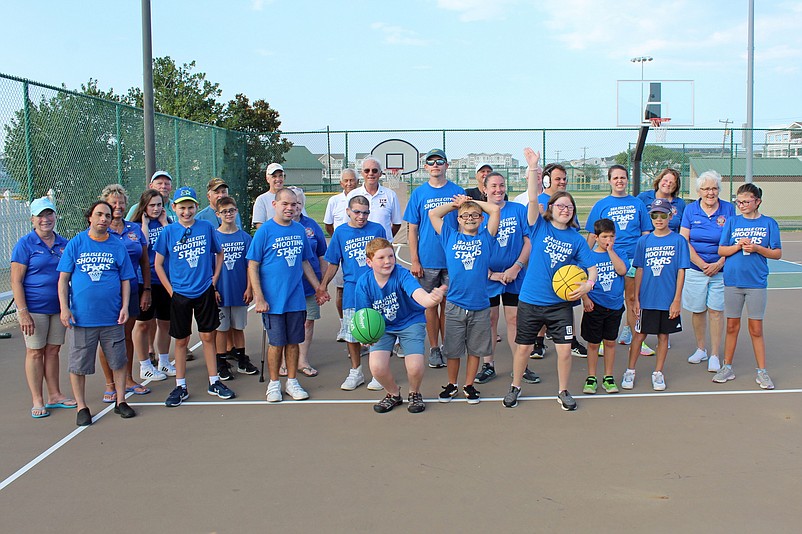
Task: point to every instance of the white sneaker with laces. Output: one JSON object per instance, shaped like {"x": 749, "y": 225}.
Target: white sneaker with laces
{"x": 274, "y": 391}
{"x": 294, "y": 390}
{"x": 628, "y": 381}
{"x": 354, "y": 380}
{"x": 374, "y": 385}
{"x": 713, "y": 364}
{"x": 151, "y": 373}
{"x": 698, "y": 357}
{"x": 658, "y": 381}
{"x": 167, "y": 368}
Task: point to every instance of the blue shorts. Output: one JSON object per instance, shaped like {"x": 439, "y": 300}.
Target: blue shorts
{"x": 411, "y": 340}
{"x": 285, "y": 328}
{"x": 701, "y": 292}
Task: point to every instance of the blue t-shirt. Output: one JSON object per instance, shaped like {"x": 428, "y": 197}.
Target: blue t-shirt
{"x": 281, "y": 251}
{"x": 513, "y": 227}
{"x": 705, "y": 230}
{"x": 661, "y": 259}
{"x": 750, "y": 271}
{"x": 317, "y": 240}
{"x": 677, "y": 208}
{"x": 394, "y": 301}
{"x": 423, "y": 199}
{"x": 154, "y": 230}
{"x": 209, "y": 215}
{"x": 467, "y": 260}
{"x": 347, "y": 249}
{"x": 191, "y": 252}
{"x": 630, "y": 217}
{"x": 97, "y": 270}
{"x": 134, "y": 240}
{"x": 233, "y": 279}
{"x": 41, "y": 276}
{"x": 551, "y": 249}
{"x": 609, "y": 288}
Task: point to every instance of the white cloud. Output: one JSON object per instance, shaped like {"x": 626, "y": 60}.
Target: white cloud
{"x": 396, "y": 35}
{"x": 477, "y": 10}
{"x": 265, "y": 52}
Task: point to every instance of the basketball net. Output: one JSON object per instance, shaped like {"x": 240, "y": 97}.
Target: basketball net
{"x": 393, "y": 179}
{"x": 660, "y": 127}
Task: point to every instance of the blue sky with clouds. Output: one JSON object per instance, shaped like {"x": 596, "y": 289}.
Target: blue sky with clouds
{"x": 359, "y": 64}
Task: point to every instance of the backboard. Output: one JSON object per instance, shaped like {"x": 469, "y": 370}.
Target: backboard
{"x": 638, "y": 101}
{"x": 397, "y": 154}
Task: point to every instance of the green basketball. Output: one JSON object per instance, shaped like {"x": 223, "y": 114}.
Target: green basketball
{"x": 367, "y": 326}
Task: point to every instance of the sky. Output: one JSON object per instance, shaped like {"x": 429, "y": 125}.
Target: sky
{"x": 420, "y": 64}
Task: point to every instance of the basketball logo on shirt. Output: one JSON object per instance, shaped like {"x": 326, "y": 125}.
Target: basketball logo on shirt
{"x": 505, "y": 228}
{"x": 94, "y": 263}
{"x": 95, "y": 270}
{"x": 232, "y": 252}
{"x": 607, "y": 275}
{"x": 388, "y": 306}
{"x": 467, "y": 251}
{"x": 657, "y": 257}
{"x": 288, "y": 247}
{"x": 557, "y": 250}
{"x": 192, "y": 256}
{"x": 622, "y": 215}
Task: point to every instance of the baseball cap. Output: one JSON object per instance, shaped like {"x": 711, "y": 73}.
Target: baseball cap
{"x": 273, "y": 167}
{"x": 185, "y": 193}
{"x": 479, "y": 166}
{"x": 435, "y": 152}
{"x": 157, "y": 174}
{"x": 41, "y": 204}
{"x": 660, "y": 205}
{"x": 216, "y": 183}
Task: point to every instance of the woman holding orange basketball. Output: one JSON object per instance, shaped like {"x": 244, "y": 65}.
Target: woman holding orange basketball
{"x": 555, "y": 243}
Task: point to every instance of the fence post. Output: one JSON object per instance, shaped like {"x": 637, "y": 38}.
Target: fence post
{"x": 177, "y": 154}
{"x": 543, "y": 160}
{"x": 214, "y": 151}
{"x": 26, "y": 114}
{"x": 328, "y": 155}
{"x": 119, "y": 144}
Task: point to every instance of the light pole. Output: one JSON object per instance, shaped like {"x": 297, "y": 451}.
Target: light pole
{"x": 642, "y": 60}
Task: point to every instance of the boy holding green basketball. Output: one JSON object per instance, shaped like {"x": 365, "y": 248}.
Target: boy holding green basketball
{"x": 398, "y": 296}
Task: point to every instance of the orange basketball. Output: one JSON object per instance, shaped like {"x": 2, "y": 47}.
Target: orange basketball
{"x": 566, "y": 280}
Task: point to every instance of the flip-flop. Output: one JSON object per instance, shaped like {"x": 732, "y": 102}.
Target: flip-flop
{"x": 308, "y": 371}
{"x": 44, "y": 413}
{"x": 282, "y": 371}
{"x": 138, "y": 389}
{"x": 62, "y": 404}
{"x": 109, "y": 397}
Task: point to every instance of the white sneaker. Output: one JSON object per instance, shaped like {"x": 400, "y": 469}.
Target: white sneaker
{"x": 658, "y": 381}
{"x": 713, "y": 364}
{"x": 294, "y": 390}
{"x": 646, "y": 350}
{"x": 354, "y": 380}
{"x": 374, "y": 385}
{"x": 698, "y": 357}
{"x": 628, "y": 381}
{"x": 274, "y": 391}
{"x": 151, "y": 373}
{"x": 167, "y": 368}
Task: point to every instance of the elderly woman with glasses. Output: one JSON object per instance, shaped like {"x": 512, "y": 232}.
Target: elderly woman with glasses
{"x": 703, "y": 293}
{"x": 666, "y": 186}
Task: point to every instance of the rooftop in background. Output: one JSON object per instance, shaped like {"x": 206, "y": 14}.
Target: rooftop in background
{"x": 763, "y": 169}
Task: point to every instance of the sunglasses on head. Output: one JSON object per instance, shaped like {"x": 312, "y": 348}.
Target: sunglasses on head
{"x": 658, "y": 215}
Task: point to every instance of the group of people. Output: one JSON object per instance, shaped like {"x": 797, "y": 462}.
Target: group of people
{"x": 166, "y": 262}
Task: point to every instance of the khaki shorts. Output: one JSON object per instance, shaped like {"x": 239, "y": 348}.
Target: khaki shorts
{"x": 47, "y": 330}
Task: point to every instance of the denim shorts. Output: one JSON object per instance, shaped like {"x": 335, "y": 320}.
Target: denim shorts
{"x": 701, "y": 292}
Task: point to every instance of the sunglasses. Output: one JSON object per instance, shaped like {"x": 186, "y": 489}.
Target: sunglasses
{"x": 358, "y": 212}
{"x": 658, "y": 215}
{"x": 440, "y": 162}
{"x": 371, "y": 171}
{"x": 187, "y": 233}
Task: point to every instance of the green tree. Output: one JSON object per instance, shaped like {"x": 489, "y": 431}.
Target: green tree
{"x": 655, "y": 159}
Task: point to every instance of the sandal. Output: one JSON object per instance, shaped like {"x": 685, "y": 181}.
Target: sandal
{"x": 38, "y": 412}
{"x": 282, "y": 371}
{"x": 138, "y": 389}
{"x": 110, "y": 395}
{"x": 63, "y": 403}
{"x": 308, "y": 371}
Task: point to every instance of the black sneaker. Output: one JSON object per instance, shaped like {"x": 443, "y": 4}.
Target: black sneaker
{"x": 178, "y": 395}
{"x": 486, "y": 374}
{"x": 530, "y": 377}
{"x": 224, "y": 370}
{"x": 84, "y": 417}
{"x": 416, "y": 404}
{"x": 246, "y": 367}
{"x": 511, "y": 398}
{"x": 123, "y": 410}
{"x": 387, "y": 403}
{"x": 449, "y": 390}
{"x": 232, "y": 355}
{"x": 539, "y": 349}
{"x": 578, "y": 349}
{"x": 221, "y": 390}
{"x": 471, "y": 394}
{"x": 566, "y": 401}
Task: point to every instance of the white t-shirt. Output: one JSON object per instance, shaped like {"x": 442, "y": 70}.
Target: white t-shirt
{"x": 523, "y": 198}
{"x": 335, "y": 210}
{"x": 263, "y": 209}
{"x": 384, "y": 207}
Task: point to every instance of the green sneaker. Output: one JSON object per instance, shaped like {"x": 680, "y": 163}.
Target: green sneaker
{"x": 608, "y": 383}
{"x": 590, "y": 386}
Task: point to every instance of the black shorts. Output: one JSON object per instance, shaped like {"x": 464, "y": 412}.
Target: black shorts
{"x": 207, "y": 315}
{"x": 601, "y": 324}
{"x": 657, "y": 322}
{"x": 159, "y": 305}
{"x": 510, "y": 300}
{"x": 558, "y": 318}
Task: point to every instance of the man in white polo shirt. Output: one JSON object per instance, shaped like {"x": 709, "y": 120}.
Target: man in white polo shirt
{"x": 384, "y": 206}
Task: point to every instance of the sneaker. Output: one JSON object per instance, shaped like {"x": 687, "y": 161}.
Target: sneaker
{"x": 123, "y": 410}
{"x": 178, "y": 395}
{"x": 511, "y": 398}
{"x": 658, "y": 381}
{"x": 601, "y": 349}
{"x": 608, "y": 383}
{"x": 416, "y": 404}
{"x": 167, "y": 368}
{"x": 224, "y": 370}
{"x": 152, "y": 374}
{"x": 578, "y": 349}
{"x": 471, "y": 394}
{"x": 713, "y": 364}
{"x": 245, "y": 367}
{"x": 397, "y": 351}
{"x": 388, "y": 403}
{"x": 628, "y": 381}
{"x": 486, "y": 373}
{"x": 539, "y": 349}
{"x": 724, "y": 374}
{"x": 294, "y": 390}
{"x": 698, "y": 357}
{"x": 274, "y": 391}
{"x": 221, "y": 390}
{"x": 498, "y": 338}
{"x": 374, "y": 385}
{"x": 448, "y": 393}
{"x": 436, "y": 358}
{"x": 646, "y": 350}
{"x": 566, "y": 401}
{"x": 626, "y": 336}
{"x": 530, "y": 377}
{"x": 590, "y": 386}
{"x": 763, "y": 380}
{"x": 354, "y": 380}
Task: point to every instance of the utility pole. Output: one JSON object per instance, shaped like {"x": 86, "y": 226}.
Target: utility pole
{"x": 726, "y": 123}
{"x": 557, "y": 157}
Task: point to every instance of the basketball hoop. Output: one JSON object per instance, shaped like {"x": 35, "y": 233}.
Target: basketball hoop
{"x": 660, "y": 126}
{"x": 393, "y": 180}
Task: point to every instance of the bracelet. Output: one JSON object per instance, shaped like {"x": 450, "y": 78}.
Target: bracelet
{"x": 145, "y": 289}
{"x": 519, "y": 264}
{"x": 22, "y": 309}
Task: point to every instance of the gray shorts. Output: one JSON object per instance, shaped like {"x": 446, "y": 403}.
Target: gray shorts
{"x": 433, "y": 278}
{"x": 736, "y": 297}
{"x": 466, "y": 330}
{"x": 338, "y": 279}
{"x": 84, "y": 342}
{"x": 47, "y": 330}
{"x": 235, "y": 317}
{"x": 312, "y": 309}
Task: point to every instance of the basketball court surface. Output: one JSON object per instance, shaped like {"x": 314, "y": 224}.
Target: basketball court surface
{"x": 698, "y": 457}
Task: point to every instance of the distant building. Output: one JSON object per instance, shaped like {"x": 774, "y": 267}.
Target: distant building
{"x": 785, "y": 142}
{"x": 302, "y": 167}
{"x": 333, "y": 165}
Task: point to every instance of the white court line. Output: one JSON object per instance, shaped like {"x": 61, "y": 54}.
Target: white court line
{"x": 397, "y": 247}
{"x": 199, "y": 343}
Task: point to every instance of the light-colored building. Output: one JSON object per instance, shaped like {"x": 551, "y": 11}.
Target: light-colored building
{"x": 784, "y": 142}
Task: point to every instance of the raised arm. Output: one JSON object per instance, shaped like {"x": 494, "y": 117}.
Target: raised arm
{"x": 534, "y": 183}
{"x": 436, "y": 214}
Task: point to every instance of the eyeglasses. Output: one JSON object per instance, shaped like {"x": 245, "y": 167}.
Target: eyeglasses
{"x": 470, "y": 216}
{"x": 744, "y": 202}
{"x": 228, "y": 211}
{"x": 358, "y": 212}
{"x": 658, "y": 215}
{"x": 440, "y": 162}
{"x": 187, "y": 233}
{"x": 564, "y": 207}
{"x": 371, "y": 171}
{"x": 708, "y": 189}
